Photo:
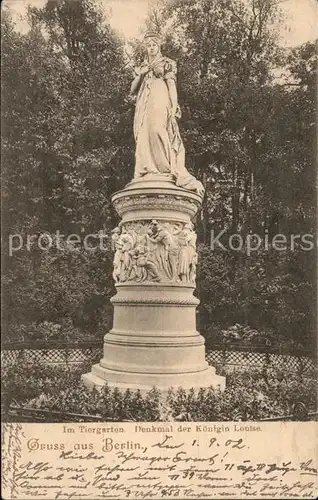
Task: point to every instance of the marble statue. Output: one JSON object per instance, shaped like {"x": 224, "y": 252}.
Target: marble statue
{"x": 159, "y": 147}
{"x": 154, "y": 339}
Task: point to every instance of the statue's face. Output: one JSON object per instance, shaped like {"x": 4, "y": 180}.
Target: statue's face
{"x": 152, "y": 47}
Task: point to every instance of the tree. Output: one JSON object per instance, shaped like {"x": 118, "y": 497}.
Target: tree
{"x": 239, "y": 130}
{"x": 225, "y": 51}
{"x": 63, "y": 85}
{"x": 68, "y": 146}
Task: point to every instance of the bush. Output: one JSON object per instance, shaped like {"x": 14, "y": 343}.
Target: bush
{"x": 249, "y": 395}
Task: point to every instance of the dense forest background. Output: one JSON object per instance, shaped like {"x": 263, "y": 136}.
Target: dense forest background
{"x": 248, "y": 124}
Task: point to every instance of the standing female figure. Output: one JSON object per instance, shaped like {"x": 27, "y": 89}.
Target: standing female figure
{"x": 159, "y": 147}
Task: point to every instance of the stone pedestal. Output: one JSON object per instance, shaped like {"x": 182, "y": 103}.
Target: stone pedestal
{"x": 154, "y": 341}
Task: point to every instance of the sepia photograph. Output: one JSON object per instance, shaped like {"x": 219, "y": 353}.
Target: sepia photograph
{"x": 159, "y": 215}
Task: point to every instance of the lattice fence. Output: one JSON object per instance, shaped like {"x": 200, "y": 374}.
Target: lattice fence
{"x": 51, "y": 356}
{"x": 218, "y": 358}
{"x": 301, "y": 364}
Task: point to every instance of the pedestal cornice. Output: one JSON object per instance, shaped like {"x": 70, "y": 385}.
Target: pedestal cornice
{"x": 156, "y": 198}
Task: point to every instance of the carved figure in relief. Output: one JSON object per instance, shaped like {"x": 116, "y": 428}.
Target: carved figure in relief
{"x": 154, "y": 252}
{"x": 127, "y": 243}
{"x": 192, "y": 242}
{"x": 193, "y": 268}
{"x": 143, "y": 267}
{"x": 184, "y": 254}
{"x": 116, "y": 246}
{"x": 187, "y": 253}
{"x": 166, "y": 251}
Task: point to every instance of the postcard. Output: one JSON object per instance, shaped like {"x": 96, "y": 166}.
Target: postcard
{"x": 159, "y": 249}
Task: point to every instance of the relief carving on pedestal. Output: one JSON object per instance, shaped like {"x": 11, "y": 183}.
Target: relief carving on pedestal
{"x": 154, "y": 252}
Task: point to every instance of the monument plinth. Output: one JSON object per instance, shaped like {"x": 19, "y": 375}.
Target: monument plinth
{"x": 154, "y": 341}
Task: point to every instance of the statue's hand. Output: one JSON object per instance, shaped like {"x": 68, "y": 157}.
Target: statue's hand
{"x": 178, "y": 113}
{"x": 172, "y": 113}
{"x": 175, "y": 112}
{"x": 144, "y": 68}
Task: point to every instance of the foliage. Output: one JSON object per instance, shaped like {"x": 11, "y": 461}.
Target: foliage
{"x": 60, "y": 151}
{"x": 249, "y": 395}
{"x": 68, "y": 146}
{"x": 268, "y": 291}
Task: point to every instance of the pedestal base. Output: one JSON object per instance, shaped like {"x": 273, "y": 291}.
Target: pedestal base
{"x": 99, "y": 376}
{"x": 154, "y": 341}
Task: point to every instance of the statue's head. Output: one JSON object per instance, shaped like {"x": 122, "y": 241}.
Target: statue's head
{"x": 152, "y": 43}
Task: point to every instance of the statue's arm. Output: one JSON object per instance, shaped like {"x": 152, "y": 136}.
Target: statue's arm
{"x": 173, "y": 95}
{"x": 135, "y": 85}
{"x": 139, "y": 75}
{"x": 170, "y": 77}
